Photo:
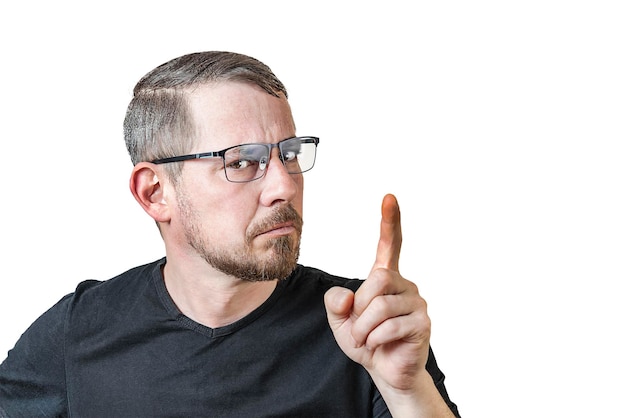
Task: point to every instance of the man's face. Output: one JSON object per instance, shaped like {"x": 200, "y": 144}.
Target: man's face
{"x": 247, "y": 230}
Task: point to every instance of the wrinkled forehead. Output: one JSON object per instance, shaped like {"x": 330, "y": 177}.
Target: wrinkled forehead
{"x": 228, "y": 113}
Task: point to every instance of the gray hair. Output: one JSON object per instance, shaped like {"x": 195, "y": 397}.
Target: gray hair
{"x": 158, "y": 121}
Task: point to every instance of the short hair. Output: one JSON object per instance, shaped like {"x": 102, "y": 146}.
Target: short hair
{"x": 158, "y": 122}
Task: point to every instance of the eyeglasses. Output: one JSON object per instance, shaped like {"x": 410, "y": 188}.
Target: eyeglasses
{"x": 247, "y": 162}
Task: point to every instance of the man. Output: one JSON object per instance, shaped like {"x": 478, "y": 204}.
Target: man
{"x": 228, "y": 324}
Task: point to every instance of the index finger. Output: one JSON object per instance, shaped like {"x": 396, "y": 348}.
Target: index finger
{"x": 390, "y": 241}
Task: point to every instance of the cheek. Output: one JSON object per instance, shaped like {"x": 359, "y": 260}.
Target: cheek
{"x": 220, "y": 213}
{"x": 232, "y": 216}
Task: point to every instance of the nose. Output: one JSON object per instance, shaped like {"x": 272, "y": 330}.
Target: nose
{"x": 278, "y": 185}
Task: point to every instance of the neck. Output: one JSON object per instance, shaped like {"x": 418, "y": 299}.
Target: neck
{"x": 212, "y": 298}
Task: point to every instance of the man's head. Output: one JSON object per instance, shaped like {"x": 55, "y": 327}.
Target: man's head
{"x": 204, "y": 103}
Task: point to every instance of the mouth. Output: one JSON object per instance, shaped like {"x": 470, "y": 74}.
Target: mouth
{"x": 284, "y": 221}
{"x": 277, "y": 230}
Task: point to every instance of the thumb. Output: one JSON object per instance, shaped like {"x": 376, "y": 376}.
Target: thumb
{"x": 338, "y": 302}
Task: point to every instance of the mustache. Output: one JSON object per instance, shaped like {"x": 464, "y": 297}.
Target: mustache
{"x": 282, "y": 214}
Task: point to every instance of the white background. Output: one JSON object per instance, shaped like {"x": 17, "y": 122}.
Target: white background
{"x": 500, "y": 126}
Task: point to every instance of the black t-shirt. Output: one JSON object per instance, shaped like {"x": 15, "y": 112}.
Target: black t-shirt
{"x": 121, "y": 348}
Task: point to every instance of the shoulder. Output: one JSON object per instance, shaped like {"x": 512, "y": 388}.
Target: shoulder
{"x": 312, "y": 277}
{"x": 119, "y": 285}
{"x": 94, "y": 301}
{"x": 92, "y": 293}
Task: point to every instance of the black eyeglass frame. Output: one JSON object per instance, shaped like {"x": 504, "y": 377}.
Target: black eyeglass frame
{"x": 220, "y": 154}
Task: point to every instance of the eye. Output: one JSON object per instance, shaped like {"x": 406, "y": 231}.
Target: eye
{"x": 291, "y": 150}
{"x": 290, "y": 156}
{"x": 240, "y": 164}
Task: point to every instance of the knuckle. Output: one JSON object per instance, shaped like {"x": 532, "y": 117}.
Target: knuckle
{"x": 389, "y": 330}
{"x": 412, "y": 286}
{"x": 393, "y": 327}
{"x": 422, "y": 322}
{"x": 379, "y": 307}
{"x": 382, "y": 277}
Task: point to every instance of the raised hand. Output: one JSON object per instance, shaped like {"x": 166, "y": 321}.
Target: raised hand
{"x": 384, "y": 325}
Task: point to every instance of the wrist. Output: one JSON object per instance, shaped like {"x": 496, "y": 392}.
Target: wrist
{"x": 421, "y": 399}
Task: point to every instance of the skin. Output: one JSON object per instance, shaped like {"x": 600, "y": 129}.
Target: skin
{"x": 383, "y": 326}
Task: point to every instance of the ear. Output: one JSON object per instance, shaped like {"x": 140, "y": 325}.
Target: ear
{"x": 148, "y": 190}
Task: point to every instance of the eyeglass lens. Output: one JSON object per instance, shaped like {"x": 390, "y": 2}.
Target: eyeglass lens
{"x": 248, "y": 162}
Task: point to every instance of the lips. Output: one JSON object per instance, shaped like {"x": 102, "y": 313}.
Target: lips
{"x": 283, "y": 221}
{"x": 279, "y": 229}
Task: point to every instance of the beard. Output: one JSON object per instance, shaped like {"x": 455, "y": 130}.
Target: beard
{"x": 280, "y": 254}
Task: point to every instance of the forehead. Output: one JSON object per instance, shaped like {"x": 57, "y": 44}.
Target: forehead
{"x": 231, "y": 113}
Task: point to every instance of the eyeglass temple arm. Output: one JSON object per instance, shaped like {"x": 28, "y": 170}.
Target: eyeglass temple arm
{"x": 187, "y": 157}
